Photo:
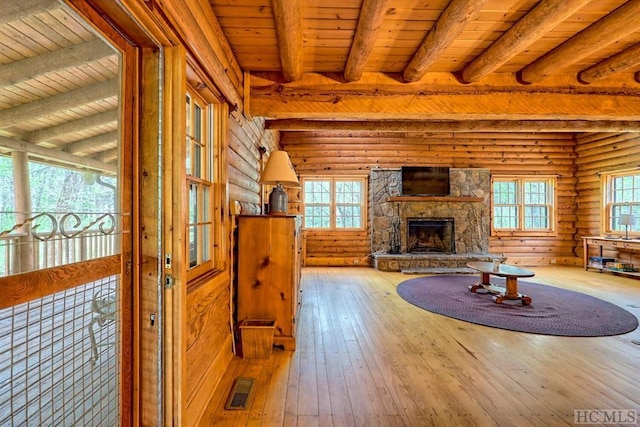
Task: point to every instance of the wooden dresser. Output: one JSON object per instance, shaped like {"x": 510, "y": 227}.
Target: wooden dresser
{"x": 269, "y": 263}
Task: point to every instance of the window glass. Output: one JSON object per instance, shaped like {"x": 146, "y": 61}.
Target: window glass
{"x": 201, "y": 144}
{"x": 334, "y": 203}
{"x": 188, "y": 130}
{"x": 348, "y": 204}
{"x": 621, "y": 198}
{"x": 523, "y": 204}
{"x": 316, "y": 204}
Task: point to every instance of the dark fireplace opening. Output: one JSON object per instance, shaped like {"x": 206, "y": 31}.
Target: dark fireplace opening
{"x": 430, "y": 235}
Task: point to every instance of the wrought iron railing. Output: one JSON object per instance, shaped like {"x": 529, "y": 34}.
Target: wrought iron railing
{"x": 45, "y": 240}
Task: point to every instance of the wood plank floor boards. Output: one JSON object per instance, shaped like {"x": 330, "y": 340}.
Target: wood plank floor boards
{"x": 274, "y": 408}
{"x": 308, "y": 375}
{"x": 365, "y": 357}
{"x": 382, "y": 347}
{"x": 335, "y": 356}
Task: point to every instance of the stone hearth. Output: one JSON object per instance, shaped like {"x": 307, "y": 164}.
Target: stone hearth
{"x": 433, "y": 263}
{"x": 467, "y": 205}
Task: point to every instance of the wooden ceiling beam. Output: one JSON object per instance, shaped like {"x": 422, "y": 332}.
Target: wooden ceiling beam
{"x": 107, "y": 156}
{"x": 57, "y": 155}
{"x": 447, "y": 28}
{"x": 13, "y": 10}
{"x": 455, "y": 126}
{"x": 624, "y": 60}
{"x": 438, "y": 106}
{"x": 51, "y": 62}
{"x": 372, "y": 15}
{"x": 439, "y": 96}
{"x": 625, "y": 19}
{"x": 53, "y": 104}
{"x": 536, "y": 23}
{"x": 288, "y": 18}
{"x": 47, "y": 134}
{"x": 98, "y": 141}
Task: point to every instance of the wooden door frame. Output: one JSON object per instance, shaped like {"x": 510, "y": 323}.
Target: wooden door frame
{"x": 159, "y": 78}
{"x": 149, "y": 54}
{"x": 129, "y": 111}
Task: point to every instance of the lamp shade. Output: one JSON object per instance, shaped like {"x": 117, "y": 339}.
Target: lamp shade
{"x": 626, "y": 219}
{"x": 279, "y": 170}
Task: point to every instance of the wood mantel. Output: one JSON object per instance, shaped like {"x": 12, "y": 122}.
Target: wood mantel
{"x": 435, "y": 199}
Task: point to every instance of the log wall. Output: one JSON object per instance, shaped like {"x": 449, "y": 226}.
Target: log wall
{"x": 597, "y": 153}
{"x": 503, "y": 153}
{"x": 244, "y": 160}
{"x": 208, "y": 343}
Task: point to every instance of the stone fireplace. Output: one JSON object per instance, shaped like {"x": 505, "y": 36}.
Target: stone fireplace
{"x": 430, "y": 235}
{"x": 461, "y": 236}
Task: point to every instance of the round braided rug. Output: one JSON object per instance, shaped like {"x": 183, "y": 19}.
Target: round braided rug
{"x": 553, "y": 310}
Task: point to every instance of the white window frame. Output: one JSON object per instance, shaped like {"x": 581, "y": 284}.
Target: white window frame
{"x": 619, "y": 199}
{"x": 520, "y": 230}
{"x": 333, "y": 205}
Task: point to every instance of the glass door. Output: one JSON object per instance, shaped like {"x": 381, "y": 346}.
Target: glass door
{"x": 64, "y": 223}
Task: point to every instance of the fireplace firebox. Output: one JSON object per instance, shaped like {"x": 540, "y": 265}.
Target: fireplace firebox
{"x": 429, "y": 235}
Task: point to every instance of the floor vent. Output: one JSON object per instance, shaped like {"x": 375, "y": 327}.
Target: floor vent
{"x": 240, "y": 393}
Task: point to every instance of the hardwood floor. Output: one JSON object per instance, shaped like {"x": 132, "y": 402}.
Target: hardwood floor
{"x": 365, "y": 357}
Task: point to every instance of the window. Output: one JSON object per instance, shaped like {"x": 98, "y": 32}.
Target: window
{"x": 621, "y": 191}
{"x": 202, "y": 131}
{"x": 334, "y": 202}
{"x": 523, "y": 204}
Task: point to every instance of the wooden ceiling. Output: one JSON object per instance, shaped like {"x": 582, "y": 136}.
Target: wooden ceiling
{"x": 58, "y": 86}
{"x": 484, "y": 61}
{"x": 356, "y": 36}
{"x": 343, "y": 66}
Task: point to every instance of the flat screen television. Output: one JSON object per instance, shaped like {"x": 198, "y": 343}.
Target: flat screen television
{"x": 425, "y": 181}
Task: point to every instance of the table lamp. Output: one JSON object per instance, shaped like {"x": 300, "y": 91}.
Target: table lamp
{"x": 626, "y": 220}
{"x": 278, "y": 171}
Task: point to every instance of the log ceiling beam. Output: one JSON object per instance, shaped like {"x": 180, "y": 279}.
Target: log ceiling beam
{"x": 56, "y": 155}
{"x": 58, "y": 60}
{"x": 447, "y": 28}
{"x": 107, "y": 156}
{"x": 438, "y": 96}
{"x": 624, "y": 60}
{"x": 371, "y": 17}
{"x": 101, "y": 119}
{"x": 13, "y": 10}
{"x": 64, "y": 101}
{"x": 452, "y": 126}
{"x": 625, "y": 19}
{"x": 540, "y": 20}
{"x": 288, "y": 18}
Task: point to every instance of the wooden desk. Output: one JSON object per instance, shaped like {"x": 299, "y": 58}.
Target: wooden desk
{"x": 510, "y": 273}
{"x": 609, "y": 243}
